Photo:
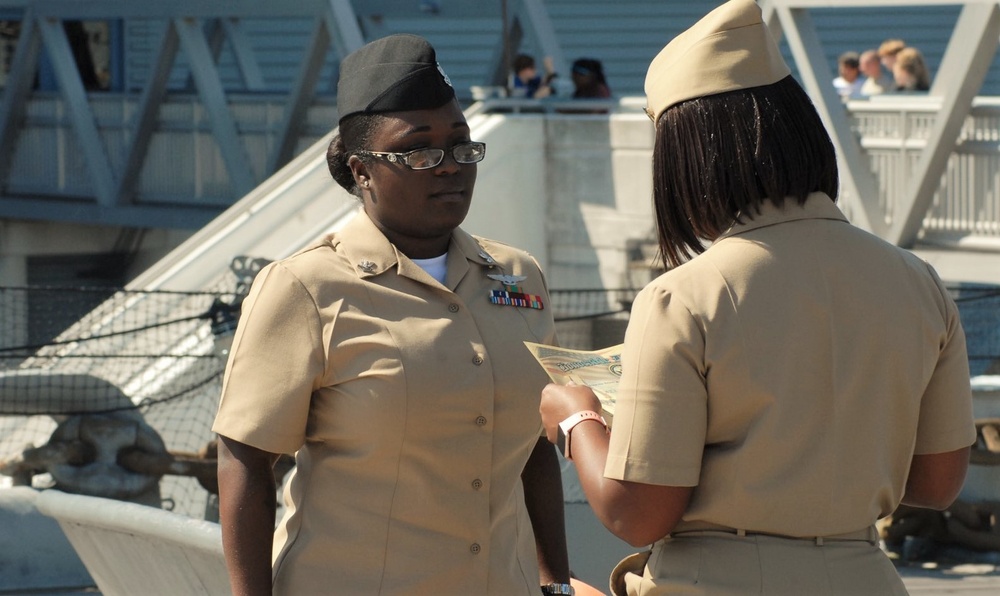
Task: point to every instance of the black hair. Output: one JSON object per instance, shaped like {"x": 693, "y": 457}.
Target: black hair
{"x": 594, "y": 68}
{"x": 522, "y": 61}
{"x": 850, "y": 60}
{"x": 589, "y": 66}
{"x": 355, "y": 133}
{"x": 716, "y": 159}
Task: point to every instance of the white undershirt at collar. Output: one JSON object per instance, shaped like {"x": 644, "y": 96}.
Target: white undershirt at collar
{"x": 436, "y": 267}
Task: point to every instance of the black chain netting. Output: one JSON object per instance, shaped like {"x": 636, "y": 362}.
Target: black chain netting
{"x": 161, "y": 355}
{"x": 151, "y": 353}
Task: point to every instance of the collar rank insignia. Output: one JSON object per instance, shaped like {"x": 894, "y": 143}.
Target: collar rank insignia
{"x": 367, "y": 266}
{"x": 486, "y": 257}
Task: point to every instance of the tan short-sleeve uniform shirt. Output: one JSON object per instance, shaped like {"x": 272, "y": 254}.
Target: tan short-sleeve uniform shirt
{"x": 411, "y": 406}
{"x": 790, "y": 372}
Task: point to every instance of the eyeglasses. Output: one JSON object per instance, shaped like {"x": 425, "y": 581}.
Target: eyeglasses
{"x": 425, "y": 159}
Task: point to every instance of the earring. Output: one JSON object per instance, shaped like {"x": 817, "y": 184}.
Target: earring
{"x": 366, "y": 183}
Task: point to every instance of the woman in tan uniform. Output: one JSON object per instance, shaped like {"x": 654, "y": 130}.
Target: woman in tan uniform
{"x": 388, "y": 358}
{"x": 791, "y": 378}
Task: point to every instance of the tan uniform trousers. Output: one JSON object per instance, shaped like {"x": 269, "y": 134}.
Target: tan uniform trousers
{"x": 726, "y": 562}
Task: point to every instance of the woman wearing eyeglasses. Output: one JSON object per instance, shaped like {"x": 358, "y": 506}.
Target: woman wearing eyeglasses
{"x": 388, "y": 358}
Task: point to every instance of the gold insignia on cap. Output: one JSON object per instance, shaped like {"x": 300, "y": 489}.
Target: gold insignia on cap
{"x": 728, "y": 49}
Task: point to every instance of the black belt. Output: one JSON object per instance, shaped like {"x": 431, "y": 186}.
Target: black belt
{"x": 869, "y": 534}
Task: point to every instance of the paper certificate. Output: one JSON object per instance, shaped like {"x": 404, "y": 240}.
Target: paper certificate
{"x": 600, "y": 370}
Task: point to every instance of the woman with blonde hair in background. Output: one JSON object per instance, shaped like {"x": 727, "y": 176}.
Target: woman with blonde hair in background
{"x": 910, "y": 71}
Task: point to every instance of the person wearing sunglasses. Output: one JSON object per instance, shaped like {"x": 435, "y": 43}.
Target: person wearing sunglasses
{"x": 389, "y": 358}
{"x": 791, "y": 378}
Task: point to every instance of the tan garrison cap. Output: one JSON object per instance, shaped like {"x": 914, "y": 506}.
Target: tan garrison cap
{"x": 728, "y": 49}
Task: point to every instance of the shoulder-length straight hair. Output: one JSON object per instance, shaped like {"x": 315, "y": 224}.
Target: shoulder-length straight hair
{"x": 716, "y": 159}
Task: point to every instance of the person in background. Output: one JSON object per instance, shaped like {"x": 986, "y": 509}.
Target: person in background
{"x": 389, "y": 358}
{"x": 79, "y": 43}
{"x": 527, "y": 82}
{"x": 887, "y": 52}
{"x": 588, "y": 79}
{"x": 791, "y": 378}
{"x": 848, "y": 83}
{"x": 876, "y": 80}
{"x": 910, "y": 71}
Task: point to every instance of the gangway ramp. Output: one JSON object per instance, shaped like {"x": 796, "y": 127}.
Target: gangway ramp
{"x": 301, "y": 203}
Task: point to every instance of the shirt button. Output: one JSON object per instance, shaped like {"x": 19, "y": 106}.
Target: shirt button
{"x": 477, "y": 484}
{"x": 475, "y": 548}
{"x": 477, "y": 360}
{"x": 481, "y": 420}
{"x": 452, "y": 307}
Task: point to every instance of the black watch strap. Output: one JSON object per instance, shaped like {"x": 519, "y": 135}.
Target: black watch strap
{"x": 558, "y": 589}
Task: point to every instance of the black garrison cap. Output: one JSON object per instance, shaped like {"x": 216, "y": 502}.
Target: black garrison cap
{"x": 393, "y": 74}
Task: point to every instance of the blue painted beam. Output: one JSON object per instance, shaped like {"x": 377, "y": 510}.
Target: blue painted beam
{"x": 14, "y": 101}
{"x": 183, "y": 217}
{"x": 160, "y": 9}
{"x": 144, "y": 119}
{"x": 213, "y": 98}
{"x": 102, "y": 177}
{"x": 301, "y": 96}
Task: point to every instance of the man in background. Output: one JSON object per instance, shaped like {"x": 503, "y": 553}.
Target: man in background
{"x": 848, "y": 84}
{"x": 876, "y": 80}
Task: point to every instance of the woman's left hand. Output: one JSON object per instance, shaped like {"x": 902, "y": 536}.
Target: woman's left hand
{"x": 559, "y": 402}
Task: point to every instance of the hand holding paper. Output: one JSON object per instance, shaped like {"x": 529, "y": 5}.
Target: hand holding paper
{"x": 600, "y": 370}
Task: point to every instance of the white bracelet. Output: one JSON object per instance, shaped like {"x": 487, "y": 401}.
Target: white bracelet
{"x": 567, "y": 425}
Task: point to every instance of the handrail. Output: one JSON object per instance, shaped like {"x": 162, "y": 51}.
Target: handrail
{"x": 154, "y": 9}
{"x": 556, "y": 105}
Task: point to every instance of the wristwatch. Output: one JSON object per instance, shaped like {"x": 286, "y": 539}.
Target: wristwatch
{"x": 556, "y": 589}
{"x": 566, "y": 426}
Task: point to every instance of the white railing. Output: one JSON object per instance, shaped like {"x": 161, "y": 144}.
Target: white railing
{"x": 893, "y": 132}
{"x": 966, "y": 208}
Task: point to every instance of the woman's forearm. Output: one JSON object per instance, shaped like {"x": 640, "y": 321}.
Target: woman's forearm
{"x": 935, "y": 480}
{"x": 543, "y": 498}
{"x": 247, "y": 506}
{"x": 639, "y": 514}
